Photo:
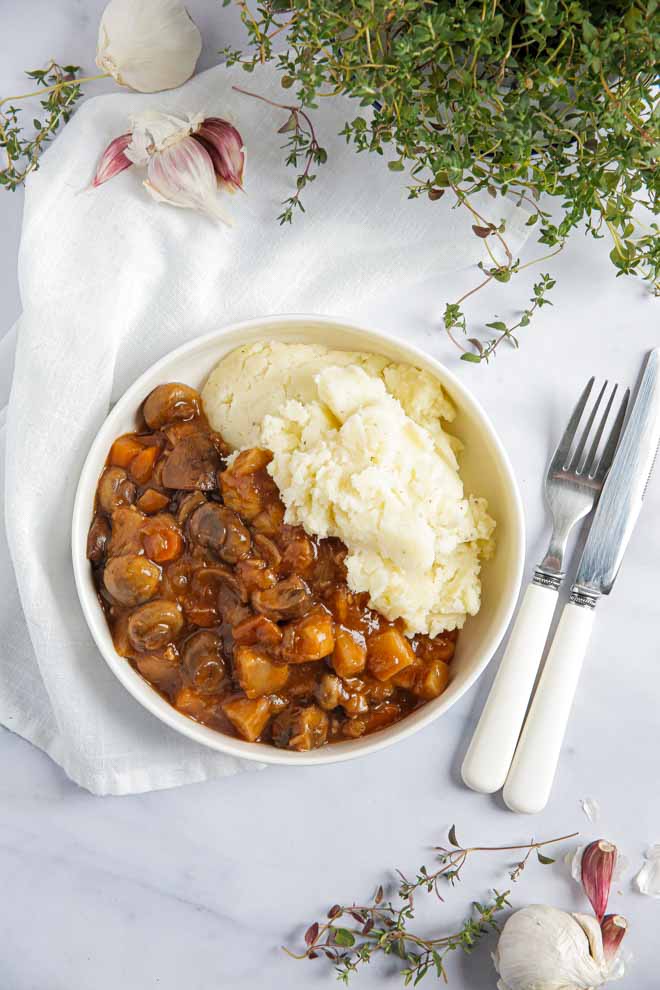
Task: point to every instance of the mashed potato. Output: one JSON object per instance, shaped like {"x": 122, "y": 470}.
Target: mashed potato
{"x": 360, "y": 453}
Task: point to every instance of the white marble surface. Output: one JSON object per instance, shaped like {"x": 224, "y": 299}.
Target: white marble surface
{"x": 199, "y": 887}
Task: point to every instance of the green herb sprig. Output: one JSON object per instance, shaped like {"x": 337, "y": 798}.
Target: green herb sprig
{"x": 355, "y": 933}
{"x": 530, "y": 100}
{"x": 59, "y": 90}
{"x": 302, "y": 147}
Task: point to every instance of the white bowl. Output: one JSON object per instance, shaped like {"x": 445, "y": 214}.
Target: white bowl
{"x": 485, "y": 469}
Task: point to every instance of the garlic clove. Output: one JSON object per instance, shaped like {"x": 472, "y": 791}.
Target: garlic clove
{"x": 148, "y": 45}
{"x": 613, "y": 927}
{"x": 225, "y": 147}
{"x": 598, "y": 860}
{"x": 113, "y": 160}
{"x": 183, "y": 175}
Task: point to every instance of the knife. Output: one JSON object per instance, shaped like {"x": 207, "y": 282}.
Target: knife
{"x": 529, "y": 782}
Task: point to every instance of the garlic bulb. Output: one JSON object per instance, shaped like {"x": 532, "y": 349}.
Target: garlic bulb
{"x": 543, "y": 948}
{"x": 148, "y": 45}
{"x": 189, "y": 159}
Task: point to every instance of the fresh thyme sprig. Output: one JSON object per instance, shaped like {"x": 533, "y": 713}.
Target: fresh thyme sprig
{"x": 354, "y": 933}
{"x": 59, "y": 87}
{"x": 529, "y": 100}
{"x": 302, "y": 145}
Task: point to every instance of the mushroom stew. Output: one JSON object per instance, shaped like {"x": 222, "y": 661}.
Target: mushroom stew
{"x": 239, "y": 620}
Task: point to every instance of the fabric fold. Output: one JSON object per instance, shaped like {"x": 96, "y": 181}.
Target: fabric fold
{"x": 110, "y": 282}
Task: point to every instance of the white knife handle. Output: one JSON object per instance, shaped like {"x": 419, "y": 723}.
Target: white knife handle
{"x": 529, "y": 783}
{"x": 488, "y": 758}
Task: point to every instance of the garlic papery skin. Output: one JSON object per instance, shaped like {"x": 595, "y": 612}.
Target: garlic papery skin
{"x": 183, "y": 175}
{"x": 113, "y": 160}
{"x": 543, "y": 948}
{"x": 153, "y": 131}
{"x": 647, "y": 880}
{"x": 148, "y": 45}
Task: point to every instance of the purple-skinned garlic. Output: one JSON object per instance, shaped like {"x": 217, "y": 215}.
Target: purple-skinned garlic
{"x": 189, "y": 159}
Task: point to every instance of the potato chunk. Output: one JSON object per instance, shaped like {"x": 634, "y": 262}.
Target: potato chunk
{"x": 350, "y": 654}
{"x": 248, "y": 716}
{"x": 256, "y": 672}
{"x": 432, "y": 680}
{"x": 310, "y": 638}
{"x": 388, "y": 652}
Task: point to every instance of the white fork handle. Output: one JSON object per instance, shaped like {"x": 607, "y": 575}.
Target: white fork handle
{"x": 530, "y": 779}
{"x": 488, "y": 758}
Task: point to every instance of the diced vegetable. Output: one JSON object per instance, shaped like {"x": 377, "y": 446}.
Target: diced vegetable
{"x": 310, "y": 638}
{"x": 309, "y": 729}
{"x": 388, "y": 652}
{"x": 162, "y": 539}
{"x": 248, "y": 716}
{"x": 432, "y": 680}
{"x": 142, "y": 465}
{"x": 257, "y": 629}
{"x": 189, "y": 702}
{"x": 152, "y": 501}
{"x": 256, "y": 672}
{"x": 350, "y": 653}
{"x": 123, "y": 450}
{"x": 246, "y": 486}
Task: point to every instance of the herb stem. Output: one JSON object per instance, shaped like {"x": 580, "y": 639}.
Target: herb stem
{"x": 53, "y": 89}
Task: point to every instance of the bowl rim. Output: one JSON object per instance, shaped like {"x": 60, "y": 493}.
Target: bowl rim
{"x": 147, "y": 696}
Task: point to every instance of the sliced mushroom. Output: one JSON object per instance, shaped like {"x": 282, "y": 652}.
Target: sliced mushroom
{"x": 331, "y": 691}
{"x": 97, "y": 539}
{"x": 187, "y": 506}
{"x": 204, "y": 662}
{"x": 192, "y": 464}
{"x": 217, "y": 527}
{"x": 267, "y": 549}
{"x": 170, "y": 404}
{"x": 289, "y": 599}
{"x": 154, "y": 625}
{"x": 301, "y": 728}
{"x": 131, "y": 580}
{"x": 115, "y": 489}
{"x": 161, "y": 669}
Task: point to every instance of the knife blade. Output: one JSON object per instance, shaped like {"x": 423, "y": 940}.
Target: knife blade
{"x": 623, "y": 492}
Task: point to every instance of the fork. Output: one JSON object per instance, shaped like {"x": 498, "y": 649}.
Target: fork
{"x": 572, "y": 485}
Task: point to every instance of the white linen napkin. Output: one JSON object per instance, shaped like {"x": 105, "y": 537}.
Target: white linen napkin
{"x": 110, "y": 281}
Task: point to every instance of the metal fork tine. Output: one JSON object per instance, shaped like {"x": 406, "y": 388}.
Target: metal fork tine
{"x": 561, "y": 454}
{"x": 591, "y": 456}
{"x": 579, "y": 450}
{"x": 613, "y": 440}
